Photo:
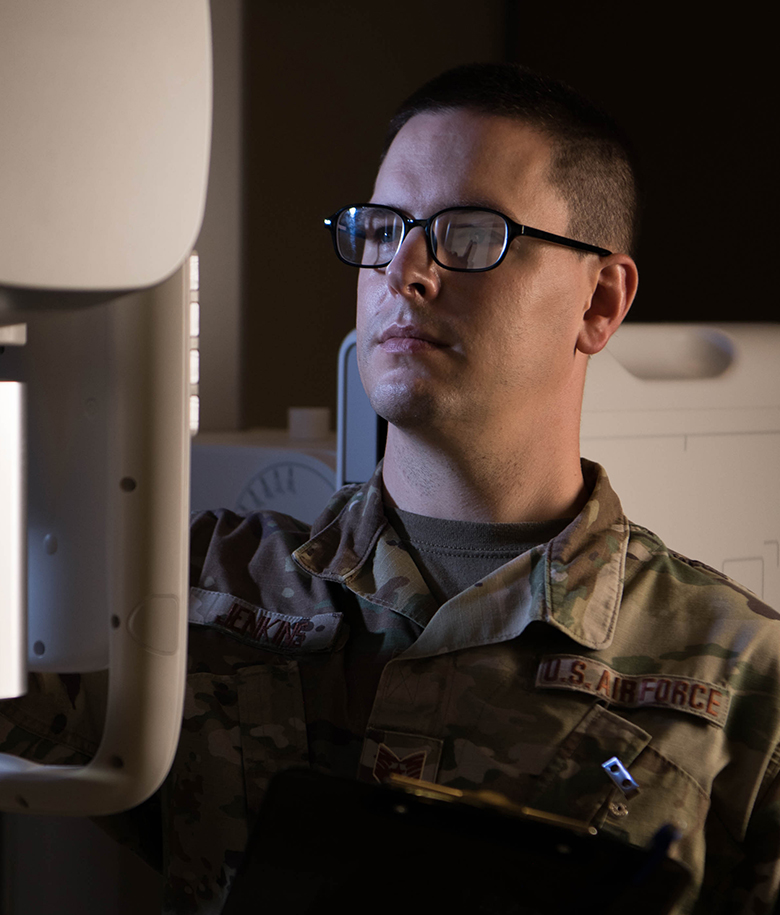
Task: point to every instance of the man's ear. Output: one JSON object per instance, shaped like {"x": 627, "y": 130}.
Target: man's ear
{"x": 614, "y": 291}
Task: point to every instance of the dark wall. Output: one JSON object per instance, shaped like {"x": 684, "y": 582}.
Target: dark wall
{"x": 696, "y": 93}
{"x": 322, "y": 79}
{"x": 696, "y": 89}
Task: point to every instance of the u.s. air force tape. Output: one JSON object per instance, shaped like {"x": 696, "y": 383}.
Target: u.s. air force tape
{"x": 264, "y": 628}
{"x": 684, "y": 694}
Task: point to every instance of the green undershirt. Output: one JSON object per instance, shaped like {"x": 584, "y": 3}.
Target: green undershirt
{"x": 453, "y": 555}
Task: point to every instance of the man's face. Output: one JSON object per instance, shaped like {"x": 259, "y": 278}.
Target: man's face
{"x": 443, "y": 351}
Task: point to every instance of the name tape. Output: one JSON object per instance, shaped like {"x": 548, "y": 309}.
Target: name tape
{"x": 684, "y": 694}
{"x": 264, "y": 628}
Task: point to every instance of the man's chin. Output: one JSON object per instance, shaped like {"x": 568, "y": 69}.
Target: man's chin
{"x": 405, "y": 408}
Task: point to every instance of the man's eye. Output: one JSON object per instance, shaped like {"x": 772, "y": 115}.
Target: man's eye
{"x": 382, "y": 234}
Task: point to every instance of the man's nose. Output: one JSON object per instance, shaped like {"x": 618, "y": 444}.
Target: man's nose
{"x": 413, "y": 272}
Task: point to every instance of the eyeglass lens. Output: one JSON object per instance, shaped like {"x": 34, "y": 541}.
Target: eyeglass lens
{"x": 369, "y": 236}
{"x": 460, "y": 239}
{"x": 469, "y": 239}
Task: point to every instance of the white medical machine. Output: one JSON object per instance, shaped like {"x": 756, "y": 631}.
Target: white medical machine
{"x": 105, "y": 121}
{"x": 291, "y": 470}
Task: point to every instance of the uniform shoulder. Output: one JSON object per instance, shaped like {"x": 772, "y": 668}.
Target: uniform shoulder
{"x": 336, "y": 504}
{"x": 648, "y": 555}
{"x": 226, "y": 543}
{"x": 224, "y": 521}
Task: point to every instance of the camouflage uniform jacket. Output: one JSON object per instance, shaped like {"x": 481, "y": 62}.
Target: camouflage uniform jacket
{"x": 325, "y": 648}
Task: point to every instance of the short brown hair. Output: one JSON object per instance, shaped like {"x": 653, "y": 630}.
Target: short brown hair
{"x": 593, "y": 165}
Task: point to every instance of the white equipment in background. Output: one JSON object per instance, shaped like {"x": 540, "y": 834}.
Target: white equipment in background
{"x": 686, "y": 420}
{"x": 292, "y": 471}
{"x": 105, "y": 115}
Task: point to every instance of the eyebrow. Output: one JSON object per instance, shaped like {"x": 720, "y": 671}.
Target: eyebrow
{"x": 479, "y": 203}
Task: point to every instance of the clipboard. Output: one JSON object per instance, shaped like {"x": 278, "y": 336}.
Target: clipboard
{"x": 323, "y": 843}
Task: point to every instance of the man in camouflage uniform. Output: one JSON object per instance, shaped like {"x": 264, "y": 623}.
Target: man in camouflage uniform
{"x": 481, "y": 613}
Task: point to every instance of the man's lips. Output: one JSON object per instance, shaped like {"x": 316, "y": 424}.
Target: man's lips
{"x": 407, "y": 339}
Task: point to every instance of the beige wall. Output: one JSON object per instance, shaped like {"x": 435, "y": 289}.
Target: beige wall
{"x": 220, "y": 241}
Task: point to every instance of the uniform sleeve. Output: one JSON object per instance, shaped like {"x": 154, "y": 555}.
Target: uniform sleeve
{"x": 201, "y": 530}
{"x": 756, "y": 888}
{"x": 58, "y": 722}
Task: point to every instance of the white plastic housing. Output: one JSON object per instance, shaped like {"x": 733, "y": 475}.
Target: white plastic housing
{"x": 105, "y": 123}
{"x": 13, "y": 540}
{"x": 105, "y": 118}
{"x": 686, "y": 419}
{"x": 140, "y": 507}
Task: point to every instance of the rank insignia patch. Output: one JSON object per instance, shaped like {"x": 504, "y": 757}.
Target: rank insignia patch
{"x": 388, "y": 763}
{"x": 387, "y": 753}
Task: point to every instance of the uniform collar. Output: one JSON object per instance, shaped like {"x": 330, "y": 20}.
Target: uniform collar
{"x": 574, "y": 583}
{"x": 584, "y": 566}
{"x": 345, "y": 534}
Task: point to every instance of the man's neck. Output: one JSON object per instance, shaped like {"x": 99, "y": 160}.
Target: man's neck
{"x": 483, "y": 481}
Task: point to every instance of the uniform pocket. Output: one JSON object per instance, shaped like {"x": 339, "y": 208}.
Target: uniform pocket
{"x": 238, "y": 730}
{"x": 272, "y": 724}
{"x": 667, "y": 794}
{"x": 573, "y": 783}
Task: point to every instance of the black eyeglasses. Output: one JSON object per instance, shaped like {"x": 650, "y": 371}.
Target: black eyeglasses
{"x": 467, "y": 239}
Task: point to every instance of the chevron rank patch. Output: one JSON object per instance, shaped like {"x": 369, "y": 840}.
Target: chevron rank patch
{"x": 683, "y": 694}
{"x": 387, "y": 763}
{"x": 387, "y": 753}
